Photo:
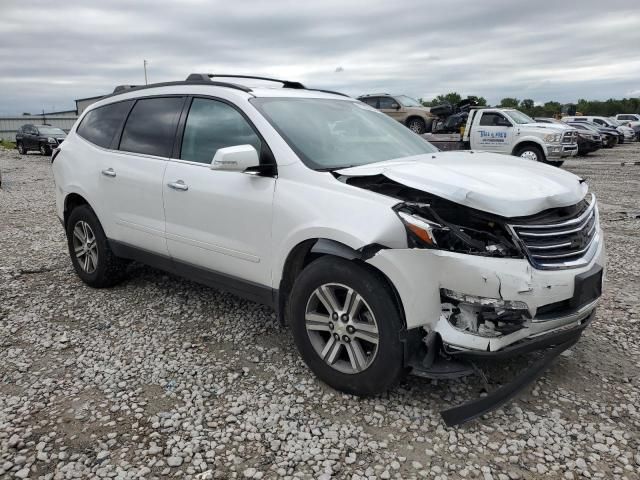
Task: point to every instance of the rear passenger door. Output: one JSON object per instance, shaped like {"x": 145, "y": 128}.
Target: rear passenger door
{"x": 219, "y": 221}
{"x": 131, "y": 175}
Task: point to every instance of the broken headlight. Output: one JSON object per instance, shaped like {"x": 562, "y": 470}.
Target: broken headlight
{"x": 457, "y": 229}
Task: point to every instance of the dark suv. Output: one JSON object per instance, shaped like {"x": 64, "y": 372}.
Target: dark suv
{"x": 43, "y": 138}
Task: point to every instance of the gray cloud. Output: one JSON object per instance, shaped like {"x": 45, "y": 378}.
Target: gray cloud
{"x": 54, "y": 52}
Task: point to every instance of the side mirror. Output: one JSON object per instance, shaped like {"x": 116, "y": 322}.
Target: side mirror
{"x": 235, "y": 159}
{"x": 395, "y": 106}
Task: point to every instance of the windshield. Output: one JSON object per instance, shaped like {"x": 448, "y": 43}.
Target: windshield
{"x": 407, "y": 101}
{"x": 50, "y": 131}
{"x": 519, "y": 117}
{"x": 331, "y": 134}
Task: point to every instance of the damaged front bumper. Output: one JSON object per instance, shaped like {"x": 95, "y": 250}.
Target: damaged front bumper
{"x": 474, "y": 307}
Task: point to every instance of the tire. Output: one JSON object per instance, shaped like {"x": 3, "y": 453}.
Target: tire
{"x": 21, "y": 149}
{"x": 376, "y": 368}
{"x": 530, "y": 152}
{"x": 417, "y": 125}
{"x": 45, "y": 149}
{"x": 102, "y": 269}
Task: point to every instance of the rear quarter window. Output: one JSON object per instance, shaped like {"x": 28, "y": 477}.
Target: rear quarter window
{"x": 100, "y": 125}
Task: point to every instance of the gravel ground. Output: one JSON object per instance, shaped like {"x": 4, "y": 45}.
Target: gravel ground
{"x": 162, "y": 377}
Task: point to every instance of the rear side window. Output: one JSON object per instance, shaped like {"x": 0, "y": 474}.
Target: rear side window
{"x": 373, "y": 101}
{"x": 151, "y": 126}
{"x": 101, "y": 124}
{"x": 212, "y": 125}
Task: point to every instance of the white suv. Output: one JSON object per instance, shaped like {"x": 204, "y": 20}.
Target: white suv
{"x": 382, "y": 254}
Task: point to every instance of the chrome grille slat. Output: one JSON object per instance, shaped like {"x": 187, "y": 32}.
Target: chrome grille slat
{"x": 562, "y": 244}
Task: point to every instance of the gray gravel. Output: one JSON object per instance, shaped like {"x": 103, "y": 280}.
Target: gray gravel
{"x": 162, "y": 377}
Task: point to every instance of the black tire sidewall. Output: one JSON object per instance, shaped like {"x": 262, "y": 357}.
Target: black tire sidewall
{"x": 85, "y": 213}
{"x": 21, "y": 149}
{"x": 44, "y": 150}
{"x": 387, "y": 368}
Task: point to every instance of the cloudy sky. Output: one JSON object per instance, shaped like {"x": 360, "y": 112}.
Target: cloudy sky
{"x": 52, "y": 52}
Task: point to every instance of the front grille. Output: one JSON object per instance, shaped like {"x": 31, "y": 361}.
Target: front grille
{"x": 570, "y": 137}
{"x": 565, "y": 244}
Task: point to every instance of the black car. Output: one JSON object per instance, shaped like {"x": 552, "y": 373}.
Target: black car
{"x": 42, "y": 138}
{"x": 589, "y": 140}
{"x": 610, "y": 136}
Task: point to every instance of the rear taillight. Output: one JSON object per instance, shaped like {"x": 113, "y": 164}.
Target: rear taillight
{"x": 54, "y": 154}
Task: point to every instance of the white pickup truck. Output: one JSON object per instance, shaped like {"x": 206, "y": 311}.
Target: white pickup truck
{"x": 509, "y": 131}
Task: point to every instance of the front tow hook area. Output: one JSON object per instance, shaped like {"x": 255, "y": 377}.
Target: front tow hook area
{"x": 460, "y": 363}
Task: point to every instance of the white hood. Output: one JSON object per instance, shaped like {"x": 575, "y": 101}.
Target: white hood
{"x": 501, "y": 184}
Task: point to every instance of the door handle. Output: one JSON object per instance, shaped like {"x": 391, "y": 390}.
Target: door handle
{"x": 178, "y": 185}
{"x": 109, "y": 172}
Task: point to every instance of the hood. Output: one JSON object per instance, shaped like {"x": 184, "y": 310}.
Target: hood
{"x": 500, "y": 184}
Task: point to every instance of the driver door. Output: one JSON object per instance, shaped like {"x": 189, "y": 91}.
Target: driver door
{"x": 217, "y": 221}
{"x": 494, "y": 133}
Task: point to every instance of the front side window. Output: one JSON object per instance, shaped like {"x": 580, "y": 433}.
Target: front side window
{"x": 387, "y": 103}
{"x": 329, "y": 134}
{"x": 100, "y": 125}
{"x": 212, "y": 125}
{"x": 151, "y": 126}
{"x": 491, "y": 119}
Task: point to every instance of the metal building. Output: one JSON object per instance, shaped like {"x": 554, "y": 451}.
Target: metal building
{"x": 64, "y": 120}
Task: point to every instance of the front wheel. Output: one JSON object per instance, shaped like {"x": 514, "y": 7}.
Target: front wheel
{"x": 417, "y": 125}
{"x": 44, "y": 149}
{"x": 530, "y": 153}
{"x": 21, "y": 149}
{"x": 346, "y": 326}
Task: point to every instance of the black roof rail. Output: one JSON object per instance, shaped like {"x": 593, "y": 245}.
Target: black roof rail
{"x": 328, "y": 91}
{"x": 122, "y": 88}
{"x": 209, "y": 76}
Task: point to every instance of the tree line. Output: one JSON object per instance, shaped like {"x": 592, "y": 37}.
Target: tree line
{"x": 606, "y": 108}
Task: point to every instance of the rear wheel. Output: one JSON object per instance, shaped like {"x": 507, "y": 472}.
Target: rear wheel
{"x": 346, "y": 326}
{"x": 92, "y": 257}
{"x": 530, "y": 152}
{"x": 21, "y": 149}
{"x": 417, "y": 125}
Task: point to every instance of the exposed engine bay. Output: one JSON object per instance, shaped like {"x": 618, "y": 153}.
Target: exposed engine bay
{"x": 452, "y": 226}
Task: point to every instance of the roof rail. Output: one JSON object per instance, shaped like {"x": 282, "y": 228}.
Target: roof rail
{"x": 209, "y": 76}
{"x": 122, "y": 88}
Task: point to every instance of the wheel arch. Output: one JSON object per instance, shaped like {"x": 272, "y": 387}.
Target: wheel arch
{"x": 311, "y": 249}
{"x": 71, "y": 201}
{"x": 530, "y": 142}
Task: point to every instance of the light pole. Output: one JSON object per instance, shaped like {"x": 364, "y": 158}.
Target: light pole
{"x": 144, "y": 64}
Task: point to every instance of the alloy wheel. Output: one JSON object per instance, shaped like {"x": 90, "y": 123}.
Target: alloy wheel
{"x": 85, "y": 247}
{"x": 416, "y": 126}
{"x": 342, "y": 328}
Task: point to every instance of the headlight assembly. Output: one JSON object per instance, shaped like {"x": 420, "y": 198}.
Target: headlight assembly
{"x": 51, "y": 140}
{"x": 553, "y": 137}
{"x": 456, "y": 229}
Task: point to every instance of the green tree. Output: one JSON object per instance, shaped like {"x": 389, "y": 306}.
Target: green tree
{"x": 509, "y": 102}
{"x": 527, "y": 105}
